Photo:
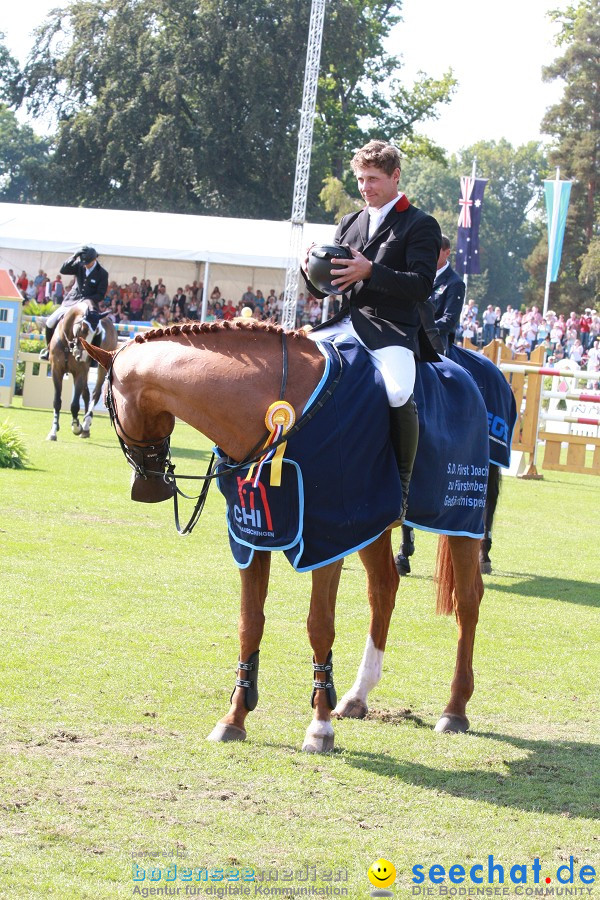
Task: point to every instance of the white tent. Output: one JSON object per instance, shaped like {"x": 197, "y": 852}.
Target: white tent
{"x": 230, "y": 253}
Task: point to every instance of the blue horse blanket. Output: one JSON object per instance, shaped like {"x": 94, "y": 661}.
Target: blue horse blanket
{"x": 340, "y": 486}
{"x": 498, "y": 398}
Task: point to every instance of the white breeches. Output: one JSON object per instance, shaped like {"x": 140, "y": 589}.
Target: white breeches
{"x": 56, "y": 316}
{"x": 396, "y": 364}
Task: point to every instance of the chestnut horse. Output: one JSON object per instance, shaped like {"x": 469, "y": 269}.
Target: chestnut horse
{"x": 66, "y": 355}
{"x": 220, "y": 378}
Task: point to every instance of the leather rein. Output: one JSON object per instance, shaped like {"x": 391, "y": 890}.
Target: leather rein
{"x": 157, "y": 452}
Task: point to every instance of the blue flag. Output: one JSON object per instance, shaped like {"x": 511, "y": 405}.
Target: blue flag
{"x": 467, "y": 242}
{"x": 557, "y": 205}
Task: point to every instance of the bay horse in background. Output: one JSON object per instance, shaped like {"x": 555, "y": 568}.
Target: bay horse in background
{"x": 67, "y": 356}
{"x": 220, "y": 378}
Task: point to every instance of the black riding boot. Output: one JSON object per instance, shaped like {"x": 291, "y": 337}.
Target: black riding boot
{"x": 45, "y": 353}
{"x": 404, "y": 431}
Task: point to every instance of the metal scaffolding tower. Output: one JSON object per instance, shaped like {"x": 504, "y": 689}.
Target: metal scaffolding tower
{"x": 309, "y": 99}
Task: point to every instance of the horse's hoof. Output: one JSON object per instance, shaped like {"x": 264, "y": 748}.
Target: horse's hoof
{"x": 223, "y": 733}
{"x": 76, "y": 428}
{"x": 51, "y": 437}
{"x": 350, "y": 708}
{"x": 451, "y": 724}
{"x": 319, "y": 737}
{"x": 314, "y": 744}
{"x": 84, "y": 434}
{"x": 485, "y": 566}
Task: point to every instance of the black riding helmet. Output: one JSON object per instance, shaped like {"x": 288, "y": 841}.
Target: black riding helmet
{"x": 320, "y": 270}
{"x": 88, "y": 254}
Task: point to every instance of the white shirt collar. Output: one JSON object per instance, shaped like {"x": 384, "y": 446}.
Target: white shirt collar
{"x": 376, "y": 216}
{"x": 91, "y": 269}
{"x": 443, "y": 269}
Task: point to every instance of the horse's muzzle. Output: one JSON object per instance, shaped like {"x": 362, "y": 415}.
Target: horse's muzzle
{"x": 153, "y": 489}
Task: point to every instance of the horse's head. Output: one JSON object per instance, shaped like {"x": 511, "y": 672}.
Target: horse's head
{"x": 136, "y": 424}
{"x": 85, "y": 327}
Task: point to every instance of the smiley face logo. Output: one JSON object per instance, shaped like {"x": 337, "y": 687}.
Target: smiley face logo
{"x": 382, "y": 873}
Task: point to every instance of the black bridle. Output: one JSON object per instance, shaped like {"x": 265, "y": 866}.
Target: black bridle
{"x": 157, "y": 452}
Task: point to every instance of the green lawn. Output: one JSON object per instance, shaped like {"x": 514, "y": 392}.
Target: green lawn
{"x": 118, "y": 654}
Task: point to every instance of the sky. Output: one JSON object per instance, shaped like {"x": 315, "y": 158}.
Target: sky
{"x": 496, "y": 50}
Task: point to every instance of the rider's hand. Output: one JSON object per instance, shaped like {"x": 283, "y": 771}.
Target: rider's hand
{"x": 304, "y": 263}
{"x": 349, "y": 271}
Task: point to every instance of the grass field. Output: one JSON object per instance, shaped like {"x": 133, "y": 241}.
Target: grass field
{"x": 118, "y": 654}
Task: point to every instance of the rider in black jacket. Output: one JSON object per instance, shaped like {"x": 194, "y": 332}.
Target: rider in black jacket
{"x": 91, "y": 284}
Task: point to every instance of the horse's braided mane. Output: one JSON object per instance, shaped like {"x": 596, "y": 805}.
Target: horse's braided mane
{"x": 223, "y": 325}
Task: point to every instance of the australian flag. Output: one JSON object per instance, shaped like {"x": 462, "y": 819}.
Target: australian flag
{"x": 467, "y": 242}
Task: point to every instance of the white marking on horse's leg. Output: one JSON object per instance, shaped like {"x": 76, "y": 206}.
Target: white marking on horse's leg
{"x": 354, "y": 702}
{"x": 319, "y": 737}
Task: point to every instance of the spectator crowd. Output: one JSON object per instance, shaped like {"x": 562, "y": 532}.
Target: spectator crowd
{"x": 141, "y": 301}
{"x": 576, "y": 337}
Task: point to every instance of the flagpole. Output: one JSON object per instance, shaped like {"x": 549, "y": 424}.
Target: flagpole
{"x": 465, "y": 276}
{"x": 552, "y": 240}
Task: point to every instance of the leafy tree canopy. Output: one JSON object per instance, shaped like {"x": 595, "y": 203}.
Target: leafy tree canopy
{"x": 574, "y": 124}
{"x": 193, "y": 105}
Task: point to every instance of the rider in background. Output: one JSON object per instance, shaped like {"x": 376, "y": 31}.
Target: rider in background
{"x": 91, "y": 284}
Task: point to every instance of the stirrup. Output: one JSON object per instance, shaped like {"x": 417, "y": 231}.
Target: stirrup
{"x": 250, "y": 685}
{"x": 326, "y": 685}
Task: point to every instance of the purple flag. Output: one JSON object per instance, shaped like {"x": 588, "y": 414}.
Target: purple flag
{"x": 467, "y": 242}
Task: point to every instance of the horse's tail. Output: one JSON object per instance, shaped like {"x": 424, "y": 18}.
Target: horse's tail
{"x": 444, "y": 578}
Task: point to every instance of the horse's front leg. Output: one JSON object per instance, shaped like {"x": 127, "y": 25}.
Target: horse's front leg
{"x": 57, "y": 378}
{"x": 255, "y": 584}
{"x": 468, "y": 591}
{"x": 382, "y": 582}
{"x": 87, "y": 414}
{"x": 321, "y": 634}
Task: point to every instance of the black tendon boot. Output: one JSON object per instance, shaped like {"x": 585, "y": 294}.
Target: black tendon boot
{"x": 45, "y": 353}
{"x": 404, "y": 432}
{"x": 407, "y": 549}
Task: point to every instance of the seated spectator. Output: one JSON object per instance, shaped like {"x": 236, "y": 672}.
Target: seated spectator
{"x": 216, "y": 295}
{"x": 577, "y": 351}
{"x": 162, "y": 299}
{"x": 218, "y": 311}
{"x": 136, "y": 305}
{"x": 178, "y": 303}
{"x": 229, "y": 310}
{"x": 248, "y": 298}
{"x": 23, "y": 282}
{"x": 57, "y": 290}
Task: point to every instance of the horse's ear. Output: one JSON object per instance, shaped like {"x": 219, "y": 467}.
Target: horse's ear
{"x": 101, "y": 356}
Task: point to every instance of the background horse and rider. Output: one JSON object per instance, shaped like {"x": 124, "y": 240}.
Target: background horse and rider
{"x": 68, "y": 357}
{"x": 220, "y": 379}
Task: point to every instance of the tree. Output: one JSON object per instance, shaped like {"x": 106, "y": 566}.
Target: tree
{"x": 574, "y": 123}
{"x": 193, "y": 105}
{"x": 509, "y": 230}
{"x": 9, "y": 74}
{"x": 23, "y": 159}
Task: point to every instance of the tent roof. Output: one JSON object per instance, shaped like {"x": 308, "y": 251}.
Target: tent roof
{"x": 150, "y": 235}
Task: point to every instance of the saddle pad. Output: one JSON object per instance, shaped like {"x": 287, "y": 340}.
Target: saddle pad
{"x": 449, "y": 481}
{"x": 348, "y": 483}
{"x": 498, "y": 398}
{"x": 340, "y": 485}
